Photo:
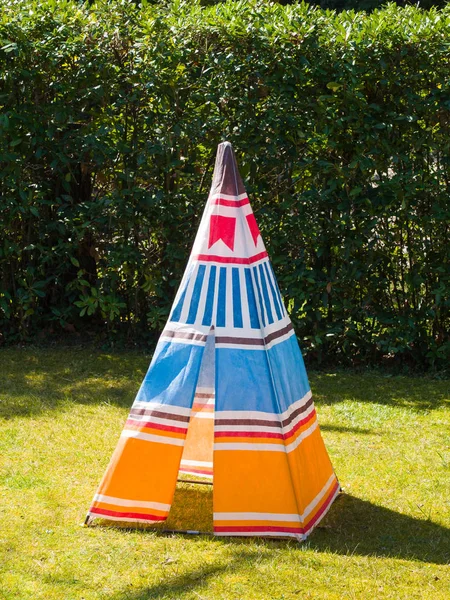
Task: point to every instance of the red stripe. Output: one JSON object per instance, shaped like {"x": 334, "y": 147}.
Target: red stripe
{"x": 299, "y": 424}
{"x": 130, "y": 515}
{"x": 248, "y": 434}
{"x": 236, "y": 203}
{"x": 257, "y": 528}
{"x": 231, "y": 259}
{"x": 323, "y": 508}
{"x": 264, "y": 434}
{"x": 157, "y": 426}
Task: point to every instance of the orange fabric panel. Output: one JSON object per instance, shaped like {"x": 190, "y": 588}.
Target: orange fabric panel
{"x": 246, "y": 481}
{"x": 142, "y": 470}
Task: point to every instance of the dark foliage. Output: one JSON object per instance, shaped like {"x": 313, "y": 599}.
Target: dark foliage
{"x": 109, "y": 119}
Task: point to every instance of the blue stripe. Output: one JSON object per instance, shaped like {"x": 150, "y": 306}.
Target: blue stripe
{"x": 265, "y": 294}
{"x": 254, "y": 320}
{"x": 179, "y": 307}
{"x": 196, "y": 295}
{"x": 277, "y": 289}
{"x": 221, "y": 300}
{"x": 273, "y": 292}
{"x": 207, "y": 316}
{"x": 237, "y": 307}
{"x": 258, "y": 290}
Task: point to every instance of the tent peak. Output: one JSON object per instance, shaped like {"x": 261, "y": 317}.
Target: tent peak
{"x": 226, "y": 177}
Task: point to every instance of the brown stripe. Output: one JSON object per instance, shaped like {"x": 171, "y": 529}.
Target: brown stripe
{"x": 263, "y": 423}
{"x": 204, "y": 395}
{"x": 248, "y": 422}
{"x": 279, "y": 333}
{"x": 156, "y": 413}
{"x": 297, "y": 412}
{"x": 184, "y": 335}
{"x": 255, "y": 341}
{"x": 243, "y": 341}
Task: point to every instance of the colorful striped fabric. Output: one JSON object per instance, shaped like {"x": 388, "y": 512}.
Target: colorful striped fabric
{"x": 226, "y": 395}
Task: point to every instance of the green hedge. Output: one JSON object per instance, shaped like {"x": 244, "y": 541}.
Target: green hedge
{"x": 109, "y": 119}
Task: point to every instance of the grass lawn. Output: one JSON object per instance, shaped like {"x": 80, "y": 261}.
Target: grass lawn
{"x": 387, "y": 536}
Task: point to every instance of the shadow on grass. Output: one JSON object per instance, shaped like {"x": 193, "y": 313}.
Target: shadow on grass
{"x": 351, "y": 527}
{"x": 35, "y": 381}
{"x": 418, "y": 393}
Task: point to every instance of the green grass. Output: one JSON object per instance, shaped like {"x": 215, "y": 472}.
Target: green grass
{"x": 387, "y": 536}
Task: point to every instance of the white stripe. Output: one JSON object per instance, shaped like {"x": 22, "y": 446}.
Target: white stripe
{"x": 202, "y": 299}
{"x": 228, "y": 197}
{"x": 247, "y": 414}
{"x": 276, "y": 447}
{"x": 312, "y": 505}
{"x": 139, "y": 419}
{"x": 202, "y": 415}
{"x": 150, "y": 437}
{"x": 258, "y": 300}
{"x": 168, "y": 408}
{"x": 244, "y": 304}
{"x": 229, "y": 318}
{"x": 279, "y": 447}
{"x": 131, "y": 503}
{"x": 188, "y": 298}
{"x": 172, "y": 340}
{"x": 248, "y": 516}
{"x": 202, "y": 390}
{"x": 196, "y": 463}
{"x": 256, "y": 428}
{"x": 299, "y": 536}
{"x": 269, "y": 293}
{"x": 302, "y": 436}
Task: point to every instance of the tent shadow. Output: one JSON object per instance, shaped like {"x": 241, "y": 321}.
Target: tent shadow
{"x": 355, "y": 526}
{"x": 351, "y": 527}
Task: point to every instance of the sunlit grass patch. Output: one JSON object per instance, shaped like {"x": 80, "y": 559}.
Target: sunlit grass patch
{"x": 387, "y": 536}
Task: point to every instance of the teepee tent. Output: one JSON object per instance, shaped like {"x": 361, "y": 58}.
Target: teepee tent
{"x": 226, "y": 394}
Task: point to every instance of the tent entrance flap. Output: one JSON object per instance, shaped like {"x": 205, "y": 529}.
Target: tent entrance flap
{"x": 197, "y": 458}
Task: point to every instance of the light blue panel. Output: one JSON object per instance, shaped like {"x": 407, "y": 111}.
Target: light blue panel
{"x": 288, "y": 371}
{"x": 172, "y": 376}
{"x": 243, "y": 381}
